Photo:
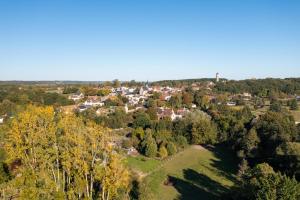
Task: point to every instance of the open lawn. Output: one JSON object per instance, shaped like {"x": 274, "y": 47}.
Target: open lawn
{"x": 195, "y": 173}
{"x": 261, "y": 111}
{"x": 237, "y": 107}
{"x": 296, "y": 115}
{"x": 142, "y": 164}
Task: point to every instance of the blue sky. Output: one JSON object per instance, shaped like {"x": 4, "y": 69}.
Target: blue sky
{"x": 148, "y": 40}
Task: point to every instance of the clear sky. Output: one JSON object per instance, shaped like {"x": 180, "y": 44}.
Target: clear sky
{"x": 148, "y": 39}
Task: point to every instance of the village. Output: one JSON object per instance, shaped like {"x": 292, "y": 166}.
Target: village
{"x": 135, "y": 98}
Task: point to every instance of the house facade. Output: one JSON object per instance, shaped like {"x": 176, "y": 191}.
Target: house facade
{"x": 76, "y": 97}
{"x": 93, "y": 101}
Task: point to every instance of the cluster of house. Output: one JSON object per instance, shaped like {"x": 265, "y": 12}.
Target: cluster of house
{"x": 166, "y": 92}
{"x": 91, "y": 101}
{"x": 135, "y": 96}
{"x": 163, "y": 112}
{"x": 245, "y": 96}
{"x": 77, "y": 96}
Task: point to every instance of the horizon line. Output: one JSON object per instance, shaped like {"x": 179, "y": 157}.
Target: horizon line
{"x": 66, "y": 80}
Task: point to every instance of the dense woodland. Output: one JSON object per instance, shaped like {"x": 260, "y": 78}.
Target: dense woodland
{"x": 46, "y": 154}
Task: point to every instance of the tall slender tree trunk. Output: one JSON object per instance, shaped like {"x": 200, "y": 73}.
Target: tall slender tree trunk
{"x": 58, "y": 172}
{"x": 87, "y": 186}
{"x": 54, "y": 177}
{"x": 91, "y": 186}
{"x": 107, "y": 198}
{"x": 64, "y": 180}
{"x": 103, "y": 193}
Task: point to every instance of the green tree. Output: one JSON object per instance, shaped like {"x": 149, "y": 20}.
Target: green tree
{"x": 274, "y": 128}
{"x": 103, "y": 92}
{"x": 117, "y": 119}
{"x": 262, "y": 183}
{"x": 149, "y": 145}
{"x": 294, "y": 104}
{"x": 243, "y": 167}
{"x": 275, "y": 106}
{"x": 288, "y": 154}
{"x": 151, "y": 149}
{"x": 181, "y": 141}
{"x": 141, "y": 120}
{"x": 176, "y": 101}
{"x": 70, "y": 90}
{"x": 152, "y": 113}
{"x": 250, "y": 143}
{"x": 139, "y": 132}
{"x": 171, "y": 148}
{"x": 201, "y": 100}
{"x": 163, "y": 152}
{"x": 116, "y": 83}
{"x": 7, "y": 108}
{"x": 203, "y": 132}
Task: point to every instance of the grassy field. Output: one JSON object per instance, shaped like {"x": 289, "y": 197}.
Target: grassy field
{"x": 263, "y": 110}
{"x": 195, "y": 173}
{"x": 296, "y": 115}
{"x": 142, "y": 164}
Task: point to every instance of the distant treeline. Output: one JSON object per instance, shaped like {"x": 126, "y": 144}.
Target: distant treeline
{"x": 49, "y": 82}
{"x": 261, "y": 87}
{"x": 174, "y": 83}
{"x": 11, "y": 97}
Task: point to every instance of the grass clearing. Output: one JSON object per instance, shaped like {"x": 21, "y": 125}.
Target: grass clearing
{"x": 296, "y": 114}
{"x": 195, "y": 174}
{"x": 237, "y": 108}
{"x": 142, "y": 163}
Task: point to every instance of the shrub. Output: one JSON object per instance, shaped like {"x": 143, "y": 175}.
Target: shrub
{"x": 171, "y": 148}
{"x": 127, "y": 144}
{"x": 163, "y": 152}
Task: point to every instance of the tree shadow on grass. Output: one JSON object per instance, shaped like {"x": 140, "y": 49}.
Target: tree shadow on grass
{"x": 226, "y": 163}
{"x": 197, "y": 186}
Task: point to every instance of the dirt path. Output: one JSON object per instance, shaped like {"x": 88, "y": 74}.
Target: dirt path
{"x": 199, "y": 147}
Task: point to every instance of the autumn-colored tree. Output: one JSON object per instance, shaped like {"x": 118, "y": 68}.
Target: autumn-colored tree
{"x": 187, "y": 98}
{"x": 115, "y": 177}
{"x": 31, "y": 149}
{"x": 53, "y": 156}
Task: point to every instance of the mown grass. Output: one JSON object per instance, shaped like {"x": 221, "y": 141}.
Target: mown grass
{"x": 195, "y": 174}
{"x": 142, "y": 164}
{"x": 296, "y": 115}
